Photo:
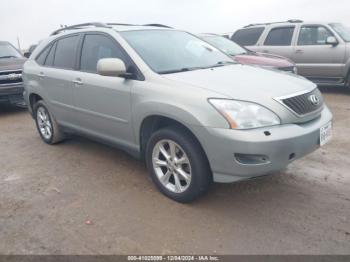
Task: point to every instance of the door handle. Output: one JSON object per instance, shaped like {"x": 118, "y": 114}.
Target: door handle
{"x": 78, "y": 81}
{"x": 299, "y": 51}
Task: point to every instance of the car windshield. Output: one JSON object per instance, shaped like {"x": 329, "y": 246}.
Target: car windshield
{"x": 170, "y": 51}
{"x": 342, "y": 31}
{"x": 226, "y": 45}
{"x": 8, "y": 51}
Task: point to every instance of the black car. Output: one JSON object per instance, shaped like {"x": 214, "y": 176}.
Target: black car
{"x": 11, "y": 84}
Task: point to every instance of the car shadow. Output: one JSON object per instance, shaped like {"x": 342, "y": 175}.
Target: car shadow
{"x": 7, "y": 109}
{"x": 335, "y": 90}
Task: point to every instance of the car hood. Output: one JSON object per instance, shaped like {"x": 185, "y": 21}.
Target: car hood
{"x": 248, "y": 83}
{"x": 244, "y": 82}
{"x": 11, "y": 63}
{"x": 262, "y": 59}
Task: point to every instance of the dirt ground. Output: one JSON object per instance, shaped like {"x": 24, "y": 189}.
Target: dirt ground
{"x": 48, "y": 193}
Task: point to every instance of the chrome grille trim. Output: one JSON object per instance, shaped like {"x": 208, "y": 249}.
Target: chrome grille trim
{"x": 6, "y": 80}
{"x": 299, "y": 103}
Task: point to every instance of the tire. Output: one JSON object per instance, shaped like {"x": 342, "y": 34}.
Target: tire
{"x": 189, "y": 179}
{"x": 347, "y": 83}
{"x": 46, "y": 122}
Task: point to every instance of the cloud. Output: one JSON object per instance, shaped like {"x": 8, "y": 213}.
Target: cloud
{"x": 36, "y": 19}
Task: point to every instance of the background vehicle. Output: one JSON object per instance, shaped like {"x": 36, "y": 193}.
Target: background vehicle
{"x": 247, "y": 57}
{"x": 321, "y": 51}
{"x": 11, "y": 84}
{"x": 30, "y": 51}
{"x": 168, "y": 97}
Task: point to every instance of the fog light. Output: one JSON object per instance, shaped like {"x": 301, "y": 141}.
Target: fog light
{"x": 246, "y": 159}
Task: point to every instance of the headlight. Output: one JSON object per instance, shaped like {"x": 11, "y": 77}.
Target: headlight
{"x": 245, "y": 115}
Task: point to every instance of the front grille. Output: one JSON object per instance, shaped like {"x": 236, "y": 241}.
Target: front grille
{"x": 11, "y": 77}
{"x": 305, "y": 103}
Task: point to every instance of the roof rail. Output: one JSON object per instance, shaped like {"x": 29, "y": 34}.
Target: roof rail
{"x": 155, "y": 25}
{"x": 288, "y": 21}
{"x": 158, "y": 25}
{"x": 80, "y": 26}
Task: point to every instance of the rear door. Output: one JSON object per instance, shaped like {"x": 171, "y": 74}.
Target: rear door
{"x": 102, "y": 103}
{"x": 314, "y": 57}
{"x": 279, "y": 41}
{"x": 56, "y": 76}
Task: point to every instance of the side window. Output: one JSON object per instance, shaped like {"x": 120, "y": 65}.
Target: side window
{"x": 313, "y": 35}
{"x": 249, "y": 36}
{"x": 96, "y": 47}
{"x": 41, "y": 58}
{"x": 281, "y": 36}
{"x": 66, "y": 52}
{"x": 51, "y": 55}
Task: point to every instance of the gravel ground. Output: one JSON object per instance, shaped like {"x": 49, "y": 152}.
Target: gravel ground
{"x": 81, "y": 197}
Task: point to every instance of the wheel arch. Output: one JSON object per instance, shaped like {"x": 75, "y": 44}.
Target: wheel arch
{"x": 152, "y": 123}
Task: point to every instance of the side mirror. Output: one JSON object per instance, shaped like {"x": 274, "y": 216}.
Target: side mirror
{"x": 331, "y": 40}
{"x": 27, "y": 54}
{"x": 112, "y": 67}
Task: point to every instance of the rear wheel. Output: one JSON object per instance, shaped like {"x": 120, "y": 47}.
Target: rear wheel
{"x": 47, "y": 126}
{"x": 178, "y": 165}
{"x": 347, "y": 83}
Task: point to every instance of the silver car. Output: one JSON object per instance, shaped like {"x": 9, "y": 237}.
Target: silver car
{"x": 321, "y": 51}
{"x": 166, "y": 96}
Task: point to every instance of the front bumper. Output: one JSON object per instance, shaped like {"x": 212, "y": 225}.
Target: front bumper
{"x": 280, "y": 145}
{"x": 12, "y": 93}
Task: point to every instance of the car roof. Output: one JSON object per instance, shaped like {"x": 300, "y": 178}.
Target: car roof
{"x": 284, "y": 23}
{"x": 114, "y": 26}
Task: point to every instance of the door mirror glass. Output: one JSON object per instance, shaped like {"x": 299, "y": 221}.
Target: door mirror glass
{"x": 111, "y": 67}
{"x": 331, "y": 40}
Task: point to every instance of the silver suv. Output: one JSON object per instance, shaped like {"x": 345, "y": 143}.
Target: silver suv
{"x": 320, "y": 50}
{"x": 163, "y": 95}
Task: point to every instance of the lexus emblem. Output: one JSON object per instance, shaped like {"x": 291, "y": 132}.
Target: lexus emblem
{"x": 315, "y": 100}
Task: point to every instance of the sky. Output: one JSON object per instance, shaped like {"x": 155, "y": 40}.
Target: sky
{"x": 32, "y": 20}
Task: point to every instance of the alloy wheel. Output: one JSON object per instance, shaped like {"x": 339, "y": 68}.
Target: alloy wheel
{"x": 172, "y": 166}
{"x": 44, "y": 123}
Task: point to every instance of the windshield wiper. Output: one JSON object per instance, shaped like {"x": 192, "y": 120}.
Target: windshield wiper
{"x": 8, "y": 56}
{"x": 223, "y": 63}
{"x": 185, "y": 69}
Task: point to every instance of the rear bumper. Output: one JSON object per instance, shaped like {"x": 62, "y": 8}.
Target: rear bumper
{"x": 284, "y": 144}
{"x": 12, "y": 93}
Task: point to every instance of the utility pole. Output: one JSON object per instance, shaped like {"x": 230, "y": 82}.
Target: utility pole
{"x": 19, "y": 45}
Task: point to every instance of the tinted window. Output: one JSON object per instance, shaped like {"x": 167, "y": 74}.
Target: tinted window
{"x": 41, "y": 58}
{"x": 313, "y": 35}
{"x": 280, "y": 36}
{"x": 51, "y": 55}
{"x": 248, "y": 36}
{"x": 96, "y": 47}
{"x": 66, "y": 52}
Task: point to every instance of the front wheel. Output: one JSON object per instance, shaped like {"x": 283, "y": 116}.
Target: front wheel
{"x": 178, "y": 165}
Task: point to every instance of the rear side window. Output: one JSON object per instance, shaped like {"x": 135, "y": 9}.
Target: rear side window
{"x": 51, "y": 56}
{"x": 280, "y": 36}
{"x": 313, "y": 35}
{"x": 66, "y": 52}
{"x": 249, "y": 36}
{"x": 42, "y": 57}
{"x": 96, "y": 47}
